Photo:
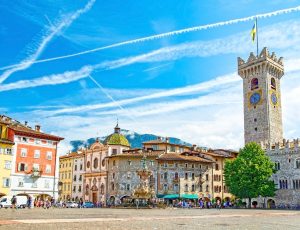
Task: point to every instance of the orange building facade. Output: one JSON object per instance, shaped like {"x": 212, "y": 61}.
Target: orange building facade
{"x": 34, "y": 172}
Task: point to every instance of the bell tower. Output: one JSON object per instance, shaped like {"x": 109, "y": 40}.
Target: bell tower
{"x": 262, "y": 98}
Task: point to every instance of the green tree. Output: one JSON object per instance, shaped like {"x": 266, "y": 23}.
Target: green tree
{"x": 248, "y": 176}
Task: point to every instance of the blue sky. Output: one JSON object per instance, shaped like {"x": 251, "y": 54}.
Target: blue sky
{"x": 183, "y": 85}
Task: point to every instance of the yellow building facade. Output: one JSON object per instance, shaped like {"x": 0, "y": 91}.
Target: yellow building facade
{"x": 5, "y": 157}
{"x": 65, "y": 176}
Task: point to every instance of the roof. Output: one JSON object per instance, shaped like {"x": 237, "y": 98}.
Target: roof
{"x": 178, "y": 157}
{"x": 116, "y": 139}
{"x": 138, "y": 154}
{"x": 20, "y": 129}
{"x": 158, "y": 141}
{"x": 70, "y": 155}
{"x": 222, "y": 153}
{"x": 6, "y": 141}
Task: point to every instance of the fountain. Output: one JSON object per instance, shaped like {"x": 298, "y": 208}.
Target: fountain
{"x": 143, "y": 192}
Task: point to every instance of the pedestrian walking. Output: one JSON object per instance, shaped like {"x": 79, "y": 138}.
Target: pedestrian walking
{"x": 14, "y": 202}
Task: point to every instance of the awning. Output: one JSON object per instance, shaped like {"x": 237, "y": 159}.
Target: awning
{"x": 189, "y": 196}
{"x": 171, "y": 196}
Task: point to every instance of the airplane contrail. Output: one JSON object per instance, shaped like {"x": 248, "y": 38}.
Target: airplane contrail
{"x": 54, "y": 30}
{"x": 162, "y": 35}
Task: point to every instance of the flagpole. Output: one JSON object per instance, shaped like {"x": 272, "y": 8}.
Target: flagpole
{"x": 256, "y": 37}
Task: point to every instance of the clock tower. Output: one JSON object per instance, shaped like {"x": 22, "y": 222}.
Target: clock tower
{"x": 262, "y": 98}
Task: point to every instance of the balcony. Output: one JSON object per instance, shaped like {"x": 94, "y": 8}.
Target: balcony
{"x": 35, "y": 173}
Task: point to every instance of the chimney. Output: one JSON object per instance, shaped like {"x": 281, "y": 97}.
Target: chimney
{"x": 37, "y": 128}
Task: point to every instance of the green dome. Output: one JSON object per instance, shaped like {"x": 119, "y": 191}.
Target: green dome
{"x": 116, "y": 139}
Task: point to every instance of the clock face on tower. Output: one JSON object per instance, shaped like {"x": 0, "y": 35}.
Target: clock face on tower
{"x": 255, "y": 98}
{"x": 274, "y": 98}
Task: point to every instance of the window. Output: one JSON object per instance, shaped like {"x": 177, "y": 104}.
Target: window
{"x": 193, "y": 166}
{"x": 6, "y": 182}
{"x": 207, "y": 188}
{"x": 296, "y": 184}
{"x": 80, "y": 177}
{"x": 81, "y": 166}
{"x": 79, "y": 188}
{"x": 155, "y": 147}
{"x": 112, "y": 186}
{"x": 22, "y": 167}
{"x": 75, "y": 167}
{"x": 37, "y": 154}
{"x": 186, "y": 176}
{"x": 49, "y": 142}
{"x": 24, "y": 139}
{"x": 88, "y": 164}
{"x": 217, "y": 166}
{"x": 129, "y": 162}
{"x": 298, "y": 163}
{"x": 37, "y": 141}
{"x": 186, "y": 188}
{"x": 176, "y": 176}
{"x": 128, "y": 187}
{"x": 69, "y": 175}
{"x": 254, "y": 83}
{"x": 23, "y": 152}
{"x": 151, "y": 163}
{"x": 277, "y": 166}
{"x": 113, "y": 175}
{"x": 176, "y": 187}
{"x": 165, "y": 175}
{"x": 8, "y": 151}
{"x": 193, "y": 176}
{"x": 273, "y": 83}
{"x": 165, "y": 187}
{"x": 7, "y": 165}
{"x": 206, "y": 177}
{"x": 165, "y": 165}
{"x": 193, "y": 188}
{"x": 49, "y": 155}
{"x": 96, "y": 162}
{"x": 283, "y": 184}
{"x": 74, "y": 178}
{"x": 176, "y": 165}
{"x": 114, "y": 151}
{"x": 103, "y": 163}
{"x": 186, "y": 165}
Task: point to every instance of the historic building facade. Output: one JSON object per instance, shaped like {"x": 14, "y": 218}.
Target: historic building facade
{"x": 34, "y": 172}
{"x": 263, "y": 124}
{"x": 78, "y": 174}
{"x": 66, "y": 176}
{"x": 6, "y": 144}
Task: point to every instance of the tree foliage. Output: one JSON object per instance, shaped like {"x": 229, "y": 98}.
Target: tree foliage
{"x": 248, "y": 176}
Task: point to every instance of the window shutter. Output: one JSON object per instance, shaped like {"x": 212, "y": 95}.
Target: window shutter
{"x": 26, "y": 167}
{"x": 19, "y": 167}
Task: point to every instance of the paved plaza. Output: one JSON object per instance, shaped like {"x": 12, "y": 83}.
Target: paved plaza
{"x": 149, "y": 219}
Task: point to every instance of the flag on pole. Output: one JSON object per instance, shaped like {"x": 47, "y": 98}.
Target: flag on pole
{"x": 253, "y": 32}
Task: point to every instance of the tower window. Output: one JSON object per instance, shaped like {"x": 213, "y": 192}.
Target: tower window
{"x": 273, "y": 83}
{"x": 254, "y": 83}
{"x": 255, "y": 129}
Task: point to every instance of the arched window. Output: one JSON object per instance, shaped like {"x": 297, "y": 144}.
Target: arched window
{"x": 186, "y": 188}
{"x": 273, "y": 83}
{"x": 102, "y": 189}
{"x": 193, "y": 188}
{"x": 112, "y": 186}
{"x": 96, "y": 162}
{"x": 277, "y": 166}
{"x": 254, "y": 83}
{"x": 176, "y": 176}
{"x": 88, "y": 164}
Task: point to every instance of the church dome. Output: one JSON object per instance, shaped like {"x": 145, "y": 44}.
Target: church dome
{"x": 116, "y": 138}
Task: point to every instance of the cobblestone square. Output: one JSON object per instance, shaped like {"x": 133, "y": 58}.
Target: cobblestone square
{"x": 148, "y": 219}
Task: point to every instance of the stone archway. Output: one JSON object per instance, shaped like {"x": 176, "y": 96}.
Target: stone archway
{"x": 271, "y": 203}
